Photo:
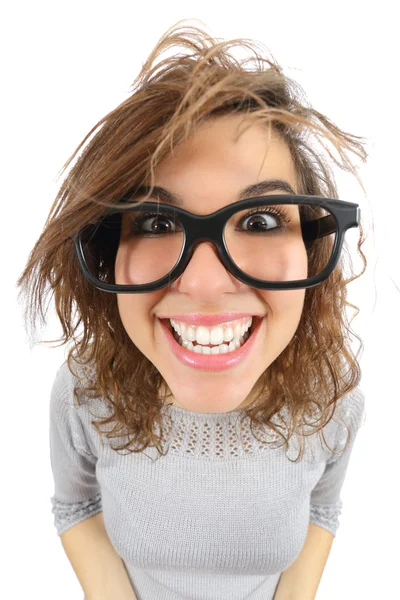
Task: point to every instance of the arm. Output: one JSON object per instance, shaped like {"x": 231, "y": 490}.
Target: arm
{"x": 300, "y": 581}
{"x": 97, "y": 565}
{"x": 77, "y": 504}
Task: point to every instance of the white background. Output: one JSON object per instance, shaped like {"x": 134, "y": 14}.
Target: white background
{"x": 64, "y": 66}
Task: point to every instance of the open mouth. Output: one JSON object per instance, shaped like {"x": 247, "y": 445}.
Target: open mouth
{"x": 254, "y": 325}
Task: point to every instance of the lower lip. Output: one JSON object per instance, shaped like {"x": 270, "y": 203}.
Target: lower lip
{"x": 210, "y": 362}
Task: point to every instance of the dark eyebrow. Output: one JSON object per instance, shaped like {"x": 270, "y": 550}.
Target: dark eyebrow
{"x": 256, "y": 189}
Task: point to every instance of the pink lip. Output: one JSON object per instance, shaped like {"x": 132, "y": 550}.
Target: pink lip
{"x": 208, "y": 320}
{"x": 209, "y": 362}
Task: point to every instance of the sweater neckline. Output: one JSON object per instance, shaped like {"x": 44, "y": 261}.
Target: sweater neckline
{"x": 190, "y": 414}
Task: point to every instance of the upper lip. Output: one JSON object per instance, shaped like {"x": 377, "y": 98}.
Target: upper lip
{"x": 201, "y": 319}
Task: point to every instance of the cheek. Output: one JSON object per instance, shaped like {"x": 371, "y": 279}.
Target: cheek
{"x": 133, "y": 265}
{"x": 133, "y": 315}
{"x": 285, "y": 308}
{"x": 285, "y": 302}
{"x": 124, "y": 309}
{"x": 135, "y": 311}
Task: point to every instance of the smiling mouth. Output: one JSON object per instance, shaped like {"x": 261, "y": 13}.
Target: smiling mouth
{"x": 247, "y": 335}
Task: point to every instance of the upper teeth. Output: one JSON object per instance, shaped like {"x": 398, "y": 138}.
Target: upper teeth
{"x": 212, "y": 335}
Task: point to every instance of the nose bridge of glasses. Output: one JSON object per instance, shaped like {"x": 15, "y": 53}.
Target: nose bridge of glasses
{"x": 202, "y": 240}
{"x": 206, "y": 229}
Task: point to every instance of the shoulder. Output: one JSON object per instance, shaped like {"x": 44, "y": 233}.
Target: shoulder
{"x": 75, "y": 418}
{"x": 69, "y": 385}
{"x": 338, "y": 432}
{"x": 350, "y": 410}
{"x": 62, "y": 388}
{"x": 349, "y": 416}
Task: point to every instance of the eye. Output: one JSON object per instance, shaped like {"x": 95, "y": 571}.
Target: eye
{"x": 152, "y": 224}
{"x": 257, "y": 221}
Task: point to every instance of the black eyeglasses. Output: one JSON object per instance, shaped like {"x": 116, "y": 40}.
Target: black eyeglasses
{"x": 308, "y": 236}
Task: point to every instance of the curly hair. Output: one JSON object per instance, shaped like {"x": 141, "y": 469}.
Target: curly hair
{"x": 168, "y": 102}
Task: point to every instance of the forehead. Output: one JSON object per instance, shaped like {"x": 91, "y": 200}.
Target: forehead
{"x": 221, "y": 158}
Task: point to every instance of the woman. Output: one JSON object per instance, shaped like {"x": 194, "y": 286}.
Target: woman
{"x": 213, "y": 335}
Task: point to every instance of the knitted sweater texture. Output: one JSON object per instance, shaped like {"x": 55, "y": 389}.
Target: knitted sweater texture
{"x": 220, "y": 516}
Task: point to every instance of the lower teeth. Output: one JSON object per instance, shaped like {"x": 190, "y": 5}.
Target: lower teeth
{"x": 221, "y": 349}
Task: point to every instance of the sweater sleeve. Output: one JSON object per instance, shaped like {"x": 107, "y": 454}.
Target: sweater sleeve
{"x": 326, "y": 504}
{"x": 76, "y": 489}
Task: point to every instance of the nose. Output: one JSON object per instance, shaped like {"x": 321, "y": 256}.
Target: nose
{"x": 205, "y": 276}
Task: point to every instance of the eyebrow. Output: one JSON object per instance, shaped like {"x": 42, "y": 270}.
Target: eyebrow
{"x": 256, "y": 189}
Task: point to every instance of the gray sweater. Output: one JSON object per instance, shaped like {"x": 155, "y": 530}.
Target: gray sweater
{"x": 220, "y": 516}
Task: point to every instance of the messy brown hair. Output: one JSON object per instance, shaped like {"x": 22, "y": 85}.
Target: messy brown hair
{"x": 169, "y": 101}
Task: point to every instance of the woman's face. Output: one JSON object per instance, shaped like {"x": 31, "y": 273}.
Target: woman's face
{"x": 208, "y": 173}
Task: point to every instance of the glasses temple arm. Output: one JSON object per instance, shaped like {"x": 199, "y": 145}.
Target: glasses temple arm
{"x": 313, "y": 230}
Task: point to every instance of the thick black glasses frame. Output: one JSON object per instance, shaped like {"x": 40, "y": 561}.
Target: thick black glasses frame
{"x": 209, "y": 228}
